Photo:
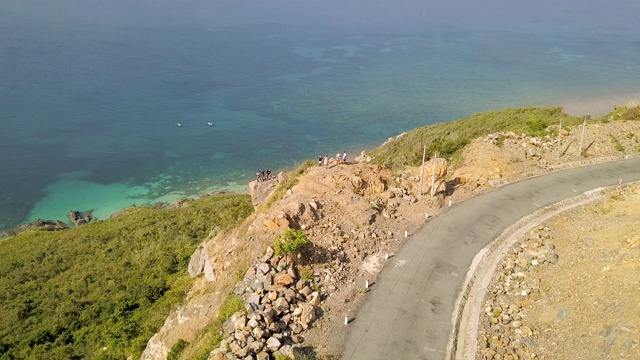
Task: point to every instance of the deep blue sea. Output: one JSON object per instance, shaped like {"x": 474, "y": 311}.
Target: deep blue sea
{"x": 91, "y": 92}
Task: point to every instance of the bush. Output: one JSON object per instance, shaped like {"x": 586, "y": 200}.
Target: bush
{"x": 291, "y": 243}
{"x": 177, "y": 349}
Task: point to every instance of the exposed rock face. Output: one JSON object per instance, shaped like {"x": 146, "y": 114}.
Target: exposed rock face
{"x": 260, "y": 190}
{"x": 47, "y": 225}
{"x": 79, "y": 218}
{"x": 196, "y": 264}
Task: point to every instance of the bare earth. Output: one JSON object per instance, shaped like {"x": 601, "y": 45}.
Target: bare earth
{"x": 363, "y": 212}
{"x": 589, "y": 306}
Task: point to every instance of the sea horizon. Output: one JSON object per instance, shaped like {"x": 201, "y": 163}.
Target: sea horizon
{"x": 132, "y": 104}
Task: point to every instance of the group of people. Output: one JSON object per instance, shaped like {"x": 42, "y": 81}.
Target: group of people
{"x": 340, "y": 159}
{"x": 263, "y": 174}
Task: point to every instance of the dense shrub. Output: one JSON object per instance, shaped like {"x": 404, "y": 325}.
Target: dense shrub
{"x": 100, "y": 291}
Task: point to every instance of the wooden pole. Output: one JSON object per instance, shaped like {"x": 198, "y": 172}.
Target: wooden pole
{"x": 424, "y": 153}
{"x": 559, "y": 144}
{"x": 433, "y": 176}
{"x": 584, "y": 124}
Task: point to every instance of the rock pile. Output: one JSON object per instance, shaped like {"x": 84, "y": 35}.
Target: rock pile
{"x": 503, "y": 333}
{"x": 278, "y": 308}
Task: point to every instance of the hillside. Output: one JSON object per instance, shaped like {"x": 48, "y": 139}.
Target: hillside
{"x": 101, "y": 290}
{"x": 353, "y": 215}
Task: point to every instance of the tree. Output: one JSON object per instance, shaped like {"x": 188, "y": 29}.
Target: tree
{"x": 290, "y": 244}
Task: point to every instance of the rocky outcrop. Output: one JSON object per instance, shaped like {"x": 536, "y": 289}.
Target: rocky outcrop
{"x": 260, "y": 190}
{"x": 46, "y": 225}
{"x": 80, "y": 218}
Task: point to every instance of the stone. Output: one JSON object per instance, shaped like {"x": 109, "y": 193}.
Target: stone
{"x": 273, "y": 344}
{"x": 287, "y": 351}
{"x": 308, "y": 314}
{"x": 262, "y": 356}
{"x": 297, "y": 339}
{"x": 253, "y": 299}
{"x": 252, "y": 323}
{"x": 263, "y": 268}
{"x": 281, "y": 305}
{"x": 267, "y": 281}
{"x": 234, "y": 347}
{"x": 268, "y": 254}
{"x": 269, "y": 315}
{"x": 196, "y": 264}
{"x": 296, "y": 328}
{"x": 283, "y": 279}
{"x": 256, "y": 347}
{"x": 241, "y": 323}
{"x": 241, "y": 337}
{"x": 259, "y": 333}
{"x": 217, "y": 354}
{"x": 314, "y": 298}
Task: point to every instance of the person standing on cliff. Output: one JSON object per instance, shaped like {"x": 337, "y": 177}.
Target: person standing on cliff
{"x": 338, "y": 160}
{"x": 326, "y": 160}
{"x": 344, "y": 157}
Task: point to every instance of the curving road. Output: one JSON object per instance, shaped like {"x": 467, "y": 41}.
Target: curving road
{"x": 408, "y": 311}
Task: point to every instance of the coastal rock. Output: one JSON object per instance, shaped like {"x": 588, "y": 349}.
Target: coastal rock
{"x": 46, "y": 225}
{"x": 80, "y": 218}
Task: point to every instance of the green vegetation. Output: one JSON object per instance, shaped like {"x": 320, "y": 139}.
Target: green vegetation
{"x": 449, "y": 138}
{"x": 306, "y": 273}
{"x": 624, "y": 113}
{"x": 100, "y": 291}
{"x": 291, "y": 243}
{"x": 177, "y": 349}
{"x": 616, "y": 143}
{"x": 212, "y": 337}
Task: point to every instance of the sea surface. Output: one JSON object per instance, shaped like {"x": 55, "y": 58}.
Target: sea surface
{"x": 91, "y": 93}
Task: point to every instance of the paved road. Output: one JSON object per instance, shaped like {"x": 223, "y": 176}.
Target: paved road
{"x": 407, "y": 313}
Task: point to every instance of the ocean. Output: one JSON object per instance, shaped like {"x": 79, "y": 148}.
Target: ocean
{"x": 91, "y": 93}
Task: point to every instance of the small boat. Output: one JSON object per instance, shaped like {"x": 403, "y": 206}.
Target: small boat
{"x": 179, "y": 125}
{"x": 210, "y": 123}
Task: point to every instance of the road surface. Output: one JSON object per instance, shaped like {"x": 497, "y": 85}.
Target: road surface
{"x": 408, "y": 311}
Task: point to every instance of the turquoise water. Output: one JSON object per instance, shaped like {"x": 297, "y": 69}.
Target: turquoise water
{"x": 89, "y": 107}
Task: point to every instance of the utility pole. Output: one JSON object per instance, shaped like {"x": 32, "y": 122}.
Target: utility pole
{"x": 424, "y": 153}
{"x": 433, "y": 176}
{"x": 584, "y": 124}
{"x": 559, "y": 144}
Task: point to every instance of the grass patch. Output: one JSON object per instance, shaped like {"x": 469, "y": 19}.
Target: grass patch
{"x": 212, "y": 338}
{"x": 448, "y": 139}
{"x": 623, "y": 113}
{"x": 616, "y": 143}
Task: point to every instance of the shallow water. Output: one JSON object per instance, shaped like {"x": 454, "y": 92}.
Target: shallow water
{"x": 90, "y": 107}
